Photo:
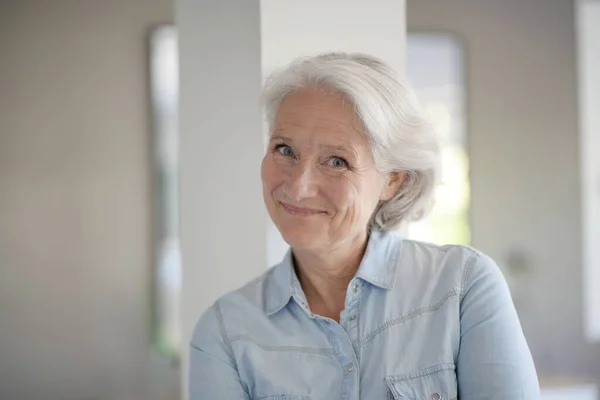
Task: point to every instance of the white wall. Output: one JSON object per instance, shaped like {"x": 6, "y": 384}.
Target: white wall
{"x": 522, "y": 110}
{"x": 588, "y": 37}
{"x": 75, "y": 267}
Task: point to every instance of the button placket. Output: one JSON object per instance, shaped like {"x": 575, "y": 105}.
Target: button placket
{"x": 343, "y": 351}
{"x": 350, "y": 323}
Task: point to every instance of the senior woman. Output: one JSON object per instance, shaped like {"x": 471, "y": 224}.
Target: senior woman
{"x": 353, "y": 311}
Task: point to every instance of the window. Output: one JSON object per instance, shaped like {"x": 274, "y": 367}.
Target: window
{"x": 167, "y": 272}
{"x": 435, "y": 68}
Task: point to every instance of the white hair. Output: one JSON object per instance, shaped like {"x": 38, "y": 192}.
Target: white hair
{"x": 401, "y": 137}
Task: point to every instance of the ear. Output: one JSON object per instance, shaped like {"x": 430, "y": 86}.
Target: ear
{"x": 392, "y": 185}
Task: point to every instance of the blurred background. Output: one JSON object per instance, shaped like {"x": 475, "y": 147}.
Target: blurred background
{"x": 92, "y": 272}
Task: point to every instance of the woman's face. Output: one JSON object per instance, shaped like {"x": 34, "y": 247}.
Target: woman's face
{"x": 320, "y": 184}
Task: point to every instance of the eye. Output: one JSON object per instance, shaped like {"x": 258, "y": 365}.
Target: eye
{"x": 284, "y": 150}
{"x": 337, "y": 162}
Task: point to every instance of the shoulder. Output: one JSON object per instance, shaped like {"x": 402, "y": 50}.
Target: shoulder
{"x": 252, "y": 294}
{"x": 442, "y": 253}
{"x": 248, "y": 301}
{"x": 455, "y": 266}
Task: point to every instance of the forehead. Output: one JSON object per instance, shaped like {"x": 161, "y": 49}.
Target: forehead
{"x": 316, "y": 112}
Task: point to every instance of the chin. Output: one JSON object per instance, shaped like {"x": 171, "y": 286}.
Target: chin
{"x": 301, "y": 237}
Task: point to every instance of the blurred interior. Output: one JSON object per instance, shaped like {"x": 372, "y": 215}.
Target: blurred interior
{"x": 90, "y": 266}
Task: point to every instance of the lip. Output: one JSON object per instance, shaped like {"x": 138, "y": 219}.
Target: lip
{"x": 300, "y": 211}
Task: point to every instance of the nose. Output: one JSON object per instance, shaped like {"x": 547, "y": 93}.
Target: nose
{"x": 301, "y": 183}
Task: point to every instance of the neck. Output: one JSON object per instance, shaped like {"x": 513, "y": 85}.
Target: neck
{"x": 325, "y": 275}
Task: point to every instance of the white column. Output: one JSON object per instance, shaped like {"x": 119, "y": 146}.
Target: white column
{"x": 588, "y": 35}
{"x": 220, "y": 150}
{"x": 223, "y": 221}
{"x": 294, "y": 28}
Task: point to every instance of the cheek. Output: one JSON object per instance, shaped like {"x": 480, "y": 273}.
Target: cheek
{"x": 355, "y": 196}
{"x": 344, "y": 194}
{"x": 268, "y": 173}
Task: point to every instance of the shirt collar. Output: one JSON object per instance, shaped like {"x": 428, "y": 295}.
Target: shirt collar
{"x": 378, "y": 267}
{"x": 280, "y": 286}
{"x": 380, "y": 261}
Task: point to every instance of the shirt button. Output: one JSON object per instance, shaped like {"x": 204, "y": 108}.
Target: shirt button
{"x": 352, "y": 318}
{"x": 355, "y": 287}
{"x": 351, "y": 368}
{"x": 436, "y": 396}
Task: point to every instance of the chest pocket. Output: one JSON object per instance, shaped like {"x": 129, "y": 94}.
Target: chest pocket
{"x": 436, "y": 383}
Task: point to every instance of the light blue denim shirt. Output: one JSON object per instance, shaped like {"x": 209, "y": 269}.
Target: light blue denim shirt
{"x": 420, "y": 322}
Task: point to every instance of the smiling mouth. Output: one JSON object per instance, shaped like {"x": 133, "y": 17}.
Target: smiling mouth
{"x": 300, "y": 211}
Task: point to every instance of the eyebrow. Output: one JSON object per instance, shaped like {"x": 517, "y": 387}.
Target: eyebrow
{"x": 323, "y": 146}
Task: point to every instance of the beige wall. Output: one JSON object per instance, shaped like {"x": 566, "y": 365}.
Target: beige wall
{"x": 522, "y": 81}
{"x": 74, "y": 198}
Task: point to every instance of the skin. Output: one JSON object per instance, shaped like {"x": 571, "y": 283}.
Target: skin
{"x": 320, "y": 187}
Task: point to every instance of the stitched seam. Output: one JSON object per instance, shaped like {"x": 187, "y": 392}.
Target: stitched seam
{"x": 282, "y": 348}
{"x": 263, "y": 278}
{"x": 396, "y": 261}
{"x": 377, "y": 282}
{"x": 409, "y": 316}
{"x": 444, "y": 249}
{"x": 193, "y": 346}
{"x": 468, "y": 264}
{"x": 279, "y": 307}
{"x": 419, "y": 374}
{"x": 267, "y": 279}
{"x": 358, "y": 319}
{"x": 219, "y": 315}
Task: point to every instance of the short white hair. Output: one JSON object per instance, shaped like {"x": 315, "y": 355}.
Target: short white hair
{"x": 401, "y": 137}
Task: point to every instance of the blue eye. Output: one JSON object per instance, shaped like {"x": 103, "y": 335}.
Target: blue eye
{"x": 337, "y": 162}
{"x": 285, "y": 150}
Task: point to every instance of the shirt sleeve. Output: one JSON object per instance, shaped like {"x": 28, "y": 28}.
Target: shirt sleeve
{"x": 213, "y": 373}
{"x": 494, "y": 361}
